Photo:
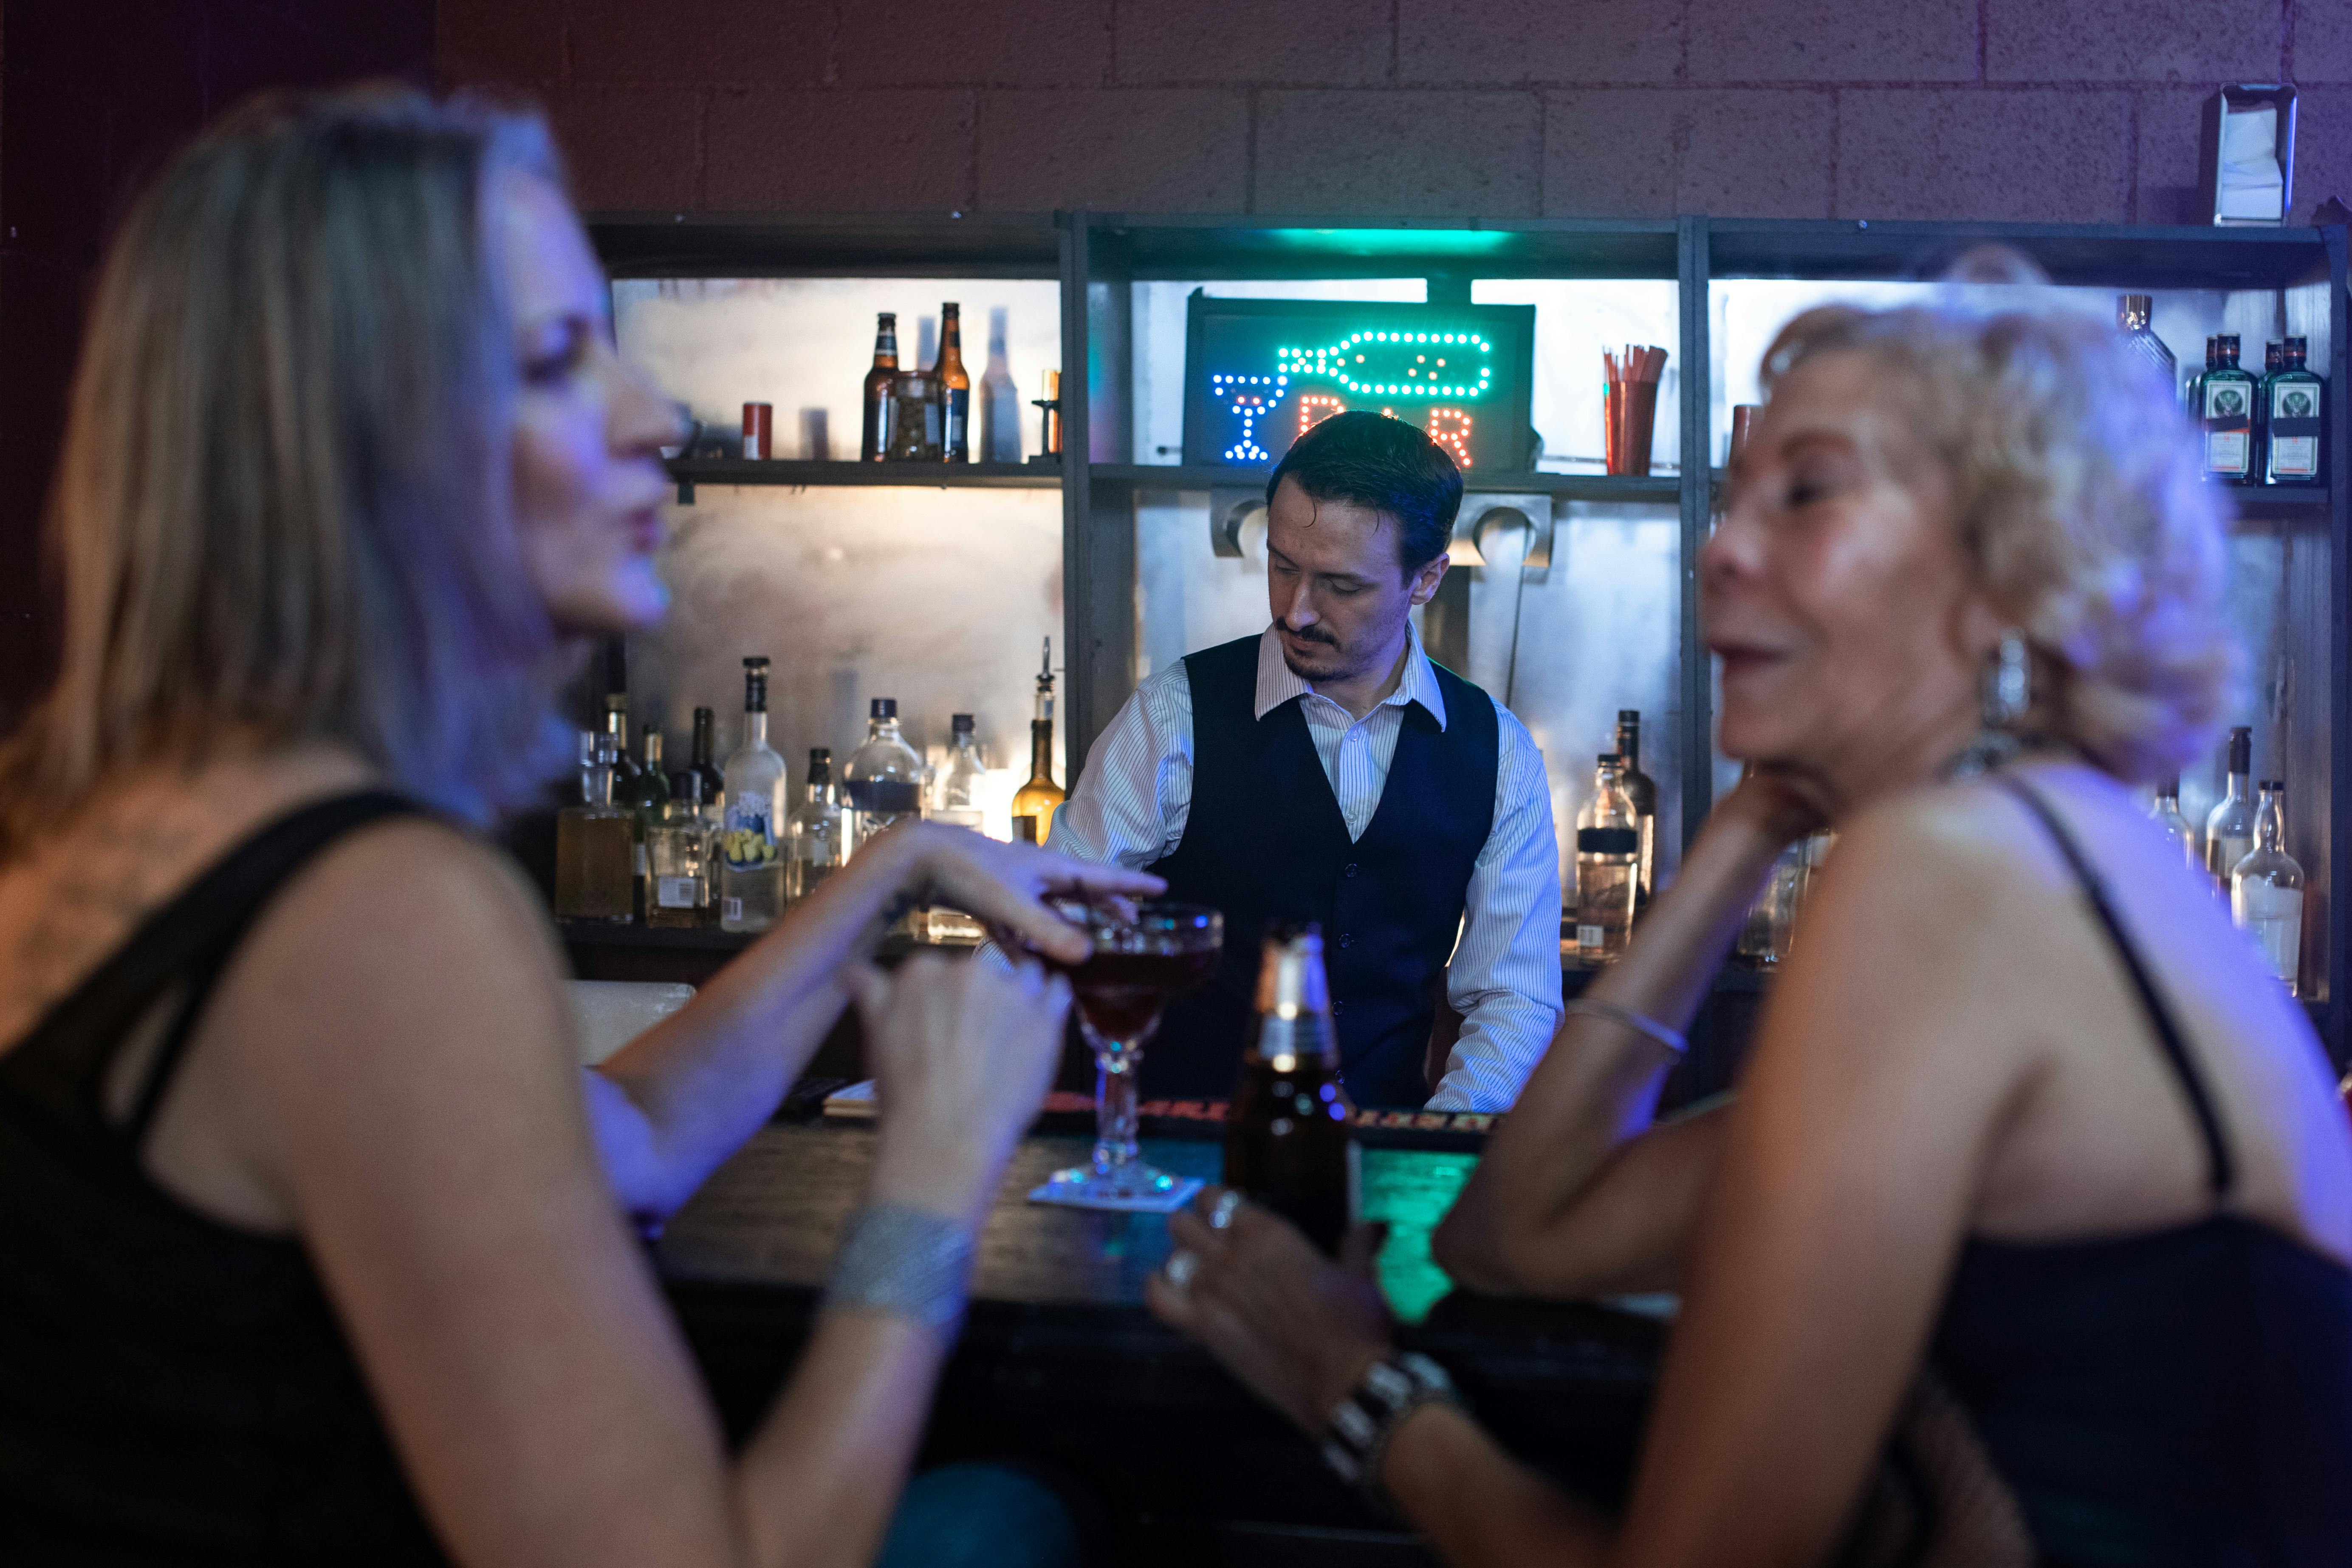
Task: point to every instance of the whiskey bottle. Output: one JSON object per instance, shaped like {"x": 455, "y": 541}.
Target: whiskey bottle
{"x": 2225, "y": 406}
{"x": 594, "y": 843}
{"x": 2295, "y": 404}
{"x": 1035, "y": 802}
{"x": 952, "y": 386}
{"x": 2134, "y": 313}
{"x": 957, "y": 794}
{"x": 2166, "y": 814}
{"x": 2266, "y": 891}
{"x": 677, "y": 859}
{"x": 884, "y": 780}
{"x": 1642, "y": 790}
{"x": 874, "y": 427}
{"x": 2230, "y": 827}
{"x": 1607, "y": 865}
{"x": 750, "y": 874}
{"x": 1287, "y": 1140}
{"x": 705, "y": 763}
{"x": 813, "y": 850}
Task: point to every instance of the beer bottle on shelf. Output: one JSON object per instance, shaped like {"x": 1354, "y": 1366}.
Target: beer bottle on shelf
{"x": 952, "y": 386}
{"x": 1289, "y": 1142}
{"x": 874, "y": 434}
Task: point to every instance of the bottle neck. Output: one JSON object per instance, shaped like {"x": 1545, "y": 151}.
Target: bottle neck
{"x": 886, "y": 349}
{"x": 1628, "y": 746}
{"x": 755, "y": 726}
{"x": 2270, "y": 823}
{"x": 702, "y": 740}
{"x": 820, "y": 785}
{"x": 1041, "y": 750}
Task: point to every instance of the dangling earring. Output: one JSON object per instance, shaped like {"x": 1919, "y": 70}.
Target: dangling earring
{"x": 2007, "y": 694}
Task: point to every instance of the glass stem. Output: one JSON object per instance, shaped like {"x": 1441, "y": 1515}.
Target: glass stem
{"x": 1115, "y": 1117}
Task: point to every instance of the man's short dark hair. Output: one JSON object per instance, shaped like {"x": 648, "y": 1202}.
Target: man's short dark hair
{"x": 1372, "y": 460}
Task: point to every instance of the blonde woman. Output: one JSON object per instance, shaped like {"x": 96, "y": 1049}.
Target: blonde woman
{"x": 314, "y": 1241}
{"x": 2034, "y": 1162}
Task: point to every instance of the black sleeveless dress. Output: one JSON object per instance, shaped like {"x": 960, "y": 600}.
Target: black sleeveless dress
{"x": 2179, "y": 1397}
{"x": 173, "y": 1390}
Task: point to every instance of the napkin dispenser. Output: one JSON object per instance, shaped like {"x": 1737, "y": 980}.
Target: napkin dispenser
{"x": 2246, "y": 156}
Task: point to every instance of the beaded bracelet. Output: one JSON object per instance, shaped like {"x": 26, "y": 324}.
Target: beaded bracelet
{"x": 1357, "y": 1437}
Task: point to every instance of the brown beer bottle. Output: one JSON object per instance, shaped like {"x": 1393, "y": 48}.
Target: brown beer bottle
{"x": 954, "y": 388}
{"x": 1289, "y": 1142}
{"x": 874, "y": 435}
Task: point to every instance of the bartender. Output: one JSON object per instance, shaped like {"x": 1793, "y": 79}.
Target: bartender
{"x": 1326, "y": 770}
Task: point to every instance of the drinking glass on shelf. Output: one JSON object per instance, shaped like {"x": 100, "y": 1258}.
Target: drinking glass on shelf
{"x": 1144, "y": 956}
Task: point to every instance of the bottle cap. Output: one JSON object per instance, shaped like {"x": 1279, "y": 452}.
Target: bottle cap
{"x": 960, "y": 724}
{"x": 884, "y": 708}
{"x": 820, "y": 754}
{"x": 1629, "y": 715}
{"x": 887, "y": 318}
{"x": 2132, "y": 311}
{"x": 2168, "y": 785}
{"x": 1608, "y": 759}
{"x": 2276, "y": 787}
{"x": 2297, "y": 347}
{"x": 686, "y": 784}
{"x": 702, "y": 713}
{"x": 758, "y": 661}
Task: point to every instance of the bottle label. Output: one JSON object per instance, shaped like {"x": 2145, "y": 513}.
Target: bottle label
{"x": 885, "y": 797}
{"x": 638, "y": 859}
{"x": 958, "y": 406}
{"x": 1590, "y": 936}
{"x": 2226, "y": 401}
{"x": 2295, "y": 457}
{"x": 730, "y": 909}
{"x": 2225, "y": 451}
{"x": 749, "y": 840}
{"x": 677, "y": 892}
{"x": 1608, "y": 841}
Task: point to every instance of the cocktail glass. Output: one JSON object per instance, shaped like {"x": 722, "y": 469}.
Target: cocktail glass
{"x": 1144, "y": 955}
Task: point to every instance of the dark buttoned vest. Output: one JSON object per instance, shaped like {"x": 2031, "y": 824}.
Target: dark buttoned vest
{"x": 1265, "y": 841}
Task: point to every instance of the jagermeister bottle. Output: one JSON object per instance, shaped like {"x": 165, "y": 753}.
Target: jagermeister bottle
{"x": 1288, "y": 1143}
{"x": 2295, "y": 402}
{"x": 2225, "y": 407}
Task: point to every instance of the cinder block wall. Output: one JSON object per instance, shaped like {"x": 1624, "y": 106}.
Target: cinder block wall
{"x": 2034, "y": 110}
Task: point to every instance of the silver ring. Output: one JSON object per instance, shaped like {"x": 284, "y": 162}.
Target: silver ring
{"x": 1221, "y": 1215}
{"x": 1180, "y": 1266}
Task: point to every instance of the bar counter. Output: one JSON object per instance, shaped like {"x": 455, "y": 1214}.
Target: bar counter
{"x": 1060, "y": 1365}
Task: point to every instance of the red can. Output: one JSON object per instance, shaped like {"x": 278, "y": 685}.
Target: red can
{"x": 759, "y": 430}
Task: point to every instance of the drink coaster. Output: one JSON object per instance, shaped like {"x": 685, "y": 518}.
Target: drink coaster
{"x": 1178, "y": 1194}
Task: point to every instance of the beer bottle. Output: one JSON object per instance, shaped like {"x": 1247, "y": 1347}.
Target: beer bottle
{"x": 954, "y": 388}
{"x": 1289, "y": 1142}
{"x": 874, "y": 434}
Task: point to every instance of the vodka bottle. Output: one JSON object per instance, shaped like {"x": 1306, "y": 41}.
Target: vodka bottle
{"x": 751, "y": 871}
{"x": 2266, "y": 891}
{"x": 884, "y": 778}
{"x": 2166, "y": 814}
{"x": 813, "y": 850}
{"x": 1607, "y": 865}
{"x": 956, "y": 796}
{"x": 2230, "y": 828}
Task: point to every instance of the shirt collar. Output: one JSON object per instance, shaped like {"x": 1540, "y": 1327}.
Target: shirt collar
{"x": 1276, "y": 685}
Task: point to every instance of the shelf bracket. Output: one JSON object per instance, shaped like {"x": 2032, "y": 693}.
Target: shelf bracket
{"x": 1229, "y": 511}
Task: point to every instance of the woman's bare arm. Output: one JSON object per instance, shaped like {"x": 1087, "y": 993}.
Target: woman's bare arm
{"x": 403, "y": 1039}
{"x": 1576, "y": 1193}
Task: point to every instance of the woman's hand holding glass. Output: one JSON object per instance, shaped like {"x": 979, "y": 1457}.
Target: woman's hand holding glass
{"x": 1004, "y": 885}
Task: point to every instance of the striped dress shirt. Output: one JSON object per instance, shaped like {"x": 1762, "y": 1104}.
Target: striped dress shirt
{"x": 1131, "y": 802}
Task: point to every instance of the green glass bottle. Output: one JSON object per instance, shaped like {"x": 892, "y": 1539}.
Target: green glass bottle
{"x": 2295, "y": 402}
{"x": 2225, "y": 407}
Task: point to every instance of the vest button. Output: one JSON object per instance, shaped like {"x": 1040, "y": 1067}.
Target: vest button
{"x": 1337, "y": 1008}
{"x": 1347, "y": 938}
{"x": 1351, "y": 870}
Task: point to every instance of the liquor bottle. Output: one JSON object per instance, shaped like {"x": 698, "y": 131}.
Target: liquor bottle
{"x": 593, "y": 845}
{"x": 750, "y": 873}
{"x": 1607, "y": 865}
{"x": 1643, "y": 790}
{"x": 952, "y": 387}
{"x": 1287, "y": 1140}
{"x": 2266, "y": 891}
{"x": 2134, "y": 313}
{"x": 884, "y": 779}
{"x": 1035, "y": 802}
{"x": 2166, "y": 814}
{"x": 2225, "y": 406}
{"x": 2272, "y": 362}
{"x": 2295, "y": 402}
{"x": 956, "y": 796}
{"x": 705, "y": 763}
{"x": 616, "y": 719}
{"x": 813, "y": 850}
{"x": 678, "y": 858}
{"x": 2230, "y": 828}
{"x": 873, "y": 435}
{"x": 648, "y": 793}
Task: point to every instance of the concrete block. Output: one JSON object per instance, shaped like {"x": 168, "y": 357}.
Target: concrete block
{"x": 1171, "y": 149}
{"x": 2322, "y": 49}
{"x": 634, "y": 148}
{"x": 2132, "y": 40}
{"x": 486, "y": 41}
{"x": 955, "y": 43}
{"x": 2054, "y": 157}
{"x": 1610, "y": 153}
{"x": 2165, "y": 171}
{"x": 1408, "y": 153}
{"x": 1729, "y": 152}
{"x": 1831, "y": 40}
{"x": 771, "y": 43}
{"x": 883, "y": 150}
{"x": 1339, "y": 43}
{"x": 1500, "y": 42}
{"x": 2323, "y": 148}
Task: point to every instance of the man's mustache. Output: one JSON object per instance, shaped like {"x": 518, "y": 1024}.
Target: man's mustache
{"x": 1310, "y": 634}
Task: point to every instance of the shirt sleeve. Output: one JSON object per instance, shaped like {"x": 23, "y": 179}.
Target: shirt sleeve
{"x": 1133, "y": 796}
{"x": 1505, "y": 977}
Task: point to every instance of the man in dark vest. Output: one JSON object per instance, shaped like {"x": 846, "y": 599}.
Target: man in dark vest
{"x": 1326, "y": 770}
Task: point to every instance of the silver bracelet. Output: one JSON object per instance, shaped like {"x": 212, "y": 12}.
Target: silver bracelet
{"x": 902, "y": 1260}
{"x": 1648, "y": 1028}
{"x": 1357, "y": 1437}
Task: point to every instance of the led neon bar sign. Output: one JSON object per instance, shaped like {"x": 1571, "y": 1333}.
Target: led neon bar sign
{"x": 1259, "y": 374}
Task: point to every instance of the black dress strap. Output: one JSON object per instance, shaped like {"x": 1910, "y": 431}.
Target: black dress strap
{"x": 2221, "y": 1169}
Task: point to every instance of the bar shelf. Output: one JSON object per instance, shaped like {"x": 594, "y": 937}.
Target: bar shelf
{"x": 1658, "y": 487}
{"x": 691, "y": 471}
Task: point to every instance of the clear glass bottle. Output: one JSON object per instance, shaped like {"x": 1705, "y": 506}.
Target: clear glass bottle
{"x": 751, "y": 870}
{"x": 1607, "y": 865}
{"x": 1035, "y": 802}
{"x": 2166, "y": 814}
{"x": 2230, "y": 827}
{"x": 956, "y": 795}
{"x": 594, "y": 842}
{"x": 2225, "y": 407}
{"x": 813, "y": 850}
{"x": 2266, "y": 891}
{"x": 2134, "y": 313}
{"x": 1643, "y": 792}
{"x": 2295, "y": 402}
{"x": 880, "y": 410}
{"x": 884, "y": 780}
{"x": 677, "y": 859}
